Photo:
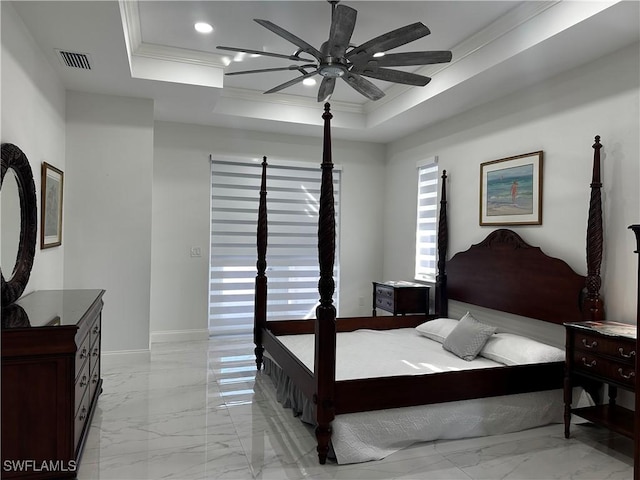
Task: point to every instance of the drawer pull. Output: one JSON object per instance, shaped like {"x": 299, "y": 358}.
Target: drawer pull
{"x": 593, "y": 344}
{"x": 94, "y": 379}
{"x": 96, "y": 329}
{"x": 588, "y": 364}
{"x": 83, "y": 381}
{"x": 96, "y": 352}
{"x": 83, "y": 414}
{"x": 627, "y": 377}
{"x": 83, "y": 353}
{"x": 632, "y": 353}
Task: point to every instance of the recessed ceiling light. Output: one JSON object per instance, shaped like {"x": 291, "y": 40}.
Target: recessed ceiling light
{"x": 203, "y": 27}
{"x": 378, "y": 54}
{"x": 309, "y": 82}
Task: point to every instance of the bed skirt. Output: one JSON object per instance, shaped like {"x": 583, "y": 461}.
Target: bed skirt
{"x": 365, "y": 436}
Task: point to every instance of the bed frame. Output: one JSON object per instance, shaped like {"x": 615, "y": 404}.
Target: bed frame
{"x": 502, "y": 272}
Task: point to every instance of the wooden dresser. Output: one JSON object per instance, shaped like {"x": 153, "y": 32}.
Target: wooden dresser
{"x": 400, "y": 298}
{"x": 50, "y": 381}
{"x": 601, "y": 352}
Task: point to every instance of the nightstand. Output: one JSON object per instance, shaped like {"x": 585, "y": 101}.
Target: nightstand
{"x": 400, "y": 298}
{"x": 603, "y": 352}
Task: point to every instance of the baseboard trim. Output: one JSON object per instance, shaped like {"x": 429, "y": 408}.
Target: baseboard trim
{"x": 118, "y": 357}
{"x": 179, "y": 335}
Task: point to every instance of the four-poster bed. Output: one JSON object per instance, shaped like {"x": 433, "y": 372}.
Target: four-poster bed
{"x": 501, "y": 273}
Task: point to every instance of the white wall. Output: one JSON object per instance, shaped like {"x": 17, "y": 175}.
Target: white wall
{"x": 181, "y": 216}
{"x": 108, "y": 204}
{"x": 33, "y": 118}
{"x": 560, "y": 117}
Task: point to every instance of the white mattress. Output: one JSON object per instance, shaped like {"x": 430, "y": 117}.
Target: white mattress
{"x": 365, "y": 436}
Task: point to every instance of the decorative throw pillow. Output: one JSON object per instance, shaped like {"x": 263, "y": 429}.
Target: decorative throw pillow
{"x": 512, "y": 349}
{"x": 437, "y": 329}
{"x": 468, "y": 337}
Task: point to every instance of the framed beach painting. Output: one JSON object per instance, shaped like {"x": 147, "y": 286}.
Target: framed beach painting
{"x": 51, "y": 202}
{"x": 511, "y": 190}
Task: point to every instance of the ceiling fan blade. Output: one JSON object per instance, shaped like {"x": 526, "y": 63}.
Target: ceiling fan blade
{"x": 284, "y": 85}
{"x": 304, "y": 46}
{"x": 342, "y": 25}
{"x": 363, "y": 86}
{"x": 266, "y": 54}
{"x": 277, "y": 69}
{"x": 326, "y": 88}
{"x": 411, "y": 58}
{"x": 387, "y": 41}
{"x": 395, "y": 76}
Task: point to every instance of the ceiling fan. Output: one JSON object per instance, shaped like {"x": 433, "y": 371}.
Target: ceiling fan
{"x": 338, "y": 58}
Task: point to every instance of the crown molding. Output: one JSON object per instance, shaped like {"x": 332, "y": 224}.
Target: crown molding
{"x": 288, "y": 100}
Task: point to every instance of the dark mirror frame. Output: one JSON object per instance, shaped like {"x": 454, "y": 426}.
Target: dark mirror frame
{"x": 13, "y": 158}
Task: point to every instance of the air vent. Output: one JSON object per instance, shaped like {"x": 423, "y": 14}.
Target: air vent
{"x": 75, "y": 60}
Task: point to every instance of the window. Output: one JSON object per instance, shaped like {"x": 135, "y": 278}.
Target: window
{"x": 427, "y": 221}
{"x": 292, "y": 251}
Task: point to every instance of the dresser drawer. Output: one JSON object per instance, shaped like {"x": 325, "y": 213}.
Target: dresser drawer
{"x": 81, "y": 385}
{"x": 617, "y": 348}
{"x": 82, "y": 354}
{"x": 80, "y": 419}
{"x": 94, "y": 381}
{"x": 590, "y": 364}
{"x": 95, "y": 332}
{"x": 94, "y": 363}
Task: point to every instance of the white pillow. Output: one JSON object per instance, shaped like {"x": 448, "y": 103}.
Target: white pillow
{"x": 468, "y": 337}
{"x": 511, "y": 349}
{"x": 437, "y": 329}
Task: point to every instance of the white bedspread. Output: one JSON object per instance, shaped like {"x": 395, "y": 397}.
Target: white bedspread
{"x": 405, "y": 353}
{"x": 364, "y": 436}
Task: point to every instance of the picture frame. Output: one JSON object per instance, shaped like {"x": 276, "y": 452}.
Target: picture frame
{"x": 511, "y": 190}
{"x": 51, "y": 206}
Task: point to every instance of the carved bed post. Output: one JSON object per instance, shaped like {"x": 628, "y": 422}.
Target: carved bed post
{"x": 325, "y": 324}
{"x": 593, "y": 308}
{"x": 260, "y": 301}
{"x": 442, "y": 303}
{"x": 636, "y": 440}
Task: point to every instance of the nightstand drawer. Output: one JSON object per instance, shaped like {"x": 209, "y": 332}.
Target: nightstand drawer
{"x": 617, "y": 348}
{"x": 384, "y": 292}
{"x": 385, "y": 303}
{"x": 618, "y": 372}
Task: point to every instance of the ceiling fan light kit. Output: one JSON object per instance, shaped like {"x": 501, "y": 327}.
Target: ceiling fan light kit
{"x": 337, "y": 58}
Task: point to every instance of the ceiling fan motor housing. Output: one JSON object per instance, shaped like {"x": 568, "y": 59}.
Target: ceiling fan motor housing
{"x": 332, "y": 67}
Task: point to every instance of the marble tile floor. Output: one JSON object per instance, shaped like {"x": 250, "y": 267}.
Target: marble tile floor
{"x": 199, "y": 410}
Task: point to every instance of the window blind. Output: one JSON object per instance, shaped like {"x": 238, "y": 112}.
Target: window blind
{"x": 426, "y": 225}
{"x": 292, "y": 252}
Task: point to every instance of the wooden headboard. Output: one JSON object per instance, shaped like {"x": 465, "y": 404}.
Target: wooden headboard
{"x": 505, "y": 273}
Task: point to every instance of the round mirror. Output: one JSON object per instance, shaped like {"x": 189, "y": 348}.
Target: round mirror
{"x": 19, "y": 270}
{"x": 10, "y": 231}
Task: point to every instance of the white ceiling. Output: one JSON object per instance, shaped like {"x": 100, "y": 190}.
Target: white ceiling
{"x": 149, "y": 49}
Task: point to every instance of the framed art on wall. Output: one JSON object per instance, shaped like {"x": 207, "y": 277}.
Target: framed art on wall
{"x": 511, "y": 190}
{"x": 51, "y": 211}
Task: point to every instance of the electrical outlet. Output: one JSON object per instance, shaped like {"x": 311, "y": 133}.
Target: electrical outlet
{"x": 361, "y": 301}
{"x": 196, "y": 252}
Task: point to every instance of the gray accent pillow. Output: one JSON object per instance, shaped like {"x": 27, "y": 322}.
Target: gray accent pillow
{"x": 468, "y": 337}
